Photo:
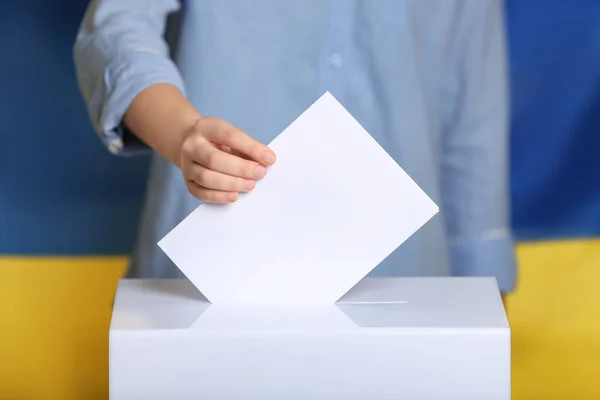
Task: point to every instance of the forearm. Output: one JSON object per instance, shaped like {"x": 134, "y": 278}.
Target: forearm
{"x": 160, "y": 116}
{"x": 119, "y": 53}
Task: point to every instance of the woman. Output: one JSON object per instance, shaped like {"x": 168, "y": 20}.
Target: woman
{"x": 426, "y": 79}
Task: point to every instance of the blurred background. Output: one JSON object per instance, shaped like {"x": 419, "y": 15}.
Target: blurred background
{"x": 69, "y": 210}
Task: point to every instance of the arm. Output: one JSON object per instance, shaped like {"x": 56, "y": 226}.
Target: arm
{"x": 119, "y": 54}
{"x": 136, "y": 98}
{"x": 475, "y": 150}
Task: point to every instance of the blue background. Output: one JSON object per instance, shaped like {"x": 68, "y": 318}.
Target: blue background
{"x": 62, "y": 193}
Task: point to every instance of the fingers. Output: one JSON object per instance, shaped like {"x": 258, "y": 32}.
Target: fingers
{"x": 225, "y": 134}
{"x": 219, "y": 160}
{"x": 210, "y": 179}
{"x": 211, "y": 196}
{"x": 229, "y": 150}
{"x": 204, "y": 153}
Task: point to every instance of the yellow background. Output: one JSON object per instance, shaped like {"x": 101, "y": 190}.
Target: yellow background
{"x": 55, "y": 313}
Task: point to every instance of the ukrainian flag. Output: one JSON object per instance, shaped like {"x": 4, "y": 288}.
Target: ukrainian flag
{"x": 68, "y": 210}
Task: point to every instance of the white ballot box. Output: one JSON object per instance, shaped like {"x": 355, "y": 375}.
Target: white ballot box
{"x": 387, "y": 338}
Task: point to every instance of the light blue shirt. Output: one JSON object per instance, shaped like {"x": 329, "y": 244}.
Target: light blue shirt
{"x": 427, "y": 79}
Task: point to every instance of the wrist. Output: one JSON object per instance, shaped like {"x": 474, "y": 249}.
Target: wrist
{"x": 162, "y": 117}
{"x": 184, "y": 122}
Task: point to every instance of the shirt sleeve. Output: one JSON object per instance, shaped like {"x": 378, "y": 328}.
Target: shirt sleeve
{"x": 475, "y": 161}
{"x": 120, "y": 50}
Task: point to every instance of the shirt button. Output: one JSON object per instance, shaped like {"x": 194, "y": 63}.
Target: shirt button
{"x": 335, "y": 60}
{"x": 115, "y": 146}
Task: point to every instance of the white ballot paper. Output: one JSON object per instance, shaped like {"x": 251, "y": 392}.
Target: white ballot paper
{"x": 332, "y": 207}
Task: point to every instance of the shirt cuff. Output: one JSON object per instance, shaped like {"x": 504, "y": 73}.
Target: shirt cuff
{"x": 491, "y": 255}
{"x": 124, "y": 79}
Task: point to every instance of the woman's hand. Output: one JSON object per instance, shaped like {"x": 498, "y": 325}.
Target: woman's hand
{"x": 219, "y": 160}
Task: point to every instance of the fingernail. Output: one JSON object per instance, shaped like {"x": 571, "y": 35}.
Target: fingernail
{"x": 249, "y": 185}
{"x": 268, "y": 157}
{"x": 260, "y": 171}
